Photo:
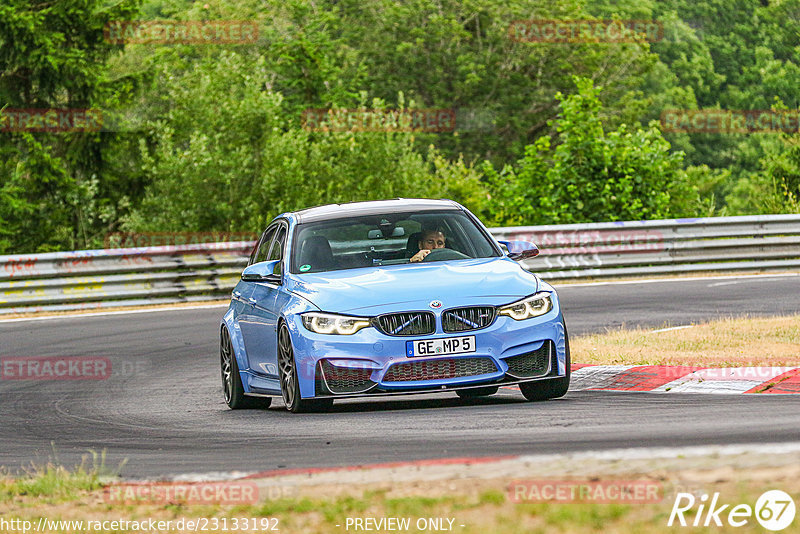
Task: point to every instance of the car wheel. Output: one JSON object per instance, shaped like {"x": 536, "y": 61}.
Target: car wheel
{"x": 549, "y": 389}
{"x": 232, "y": 388}
{"x": 477, "y": 392}
{"x": 290, "y": 384}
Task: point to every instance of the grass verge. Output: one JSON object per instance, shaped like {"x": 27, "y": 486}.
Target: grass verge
{"x": 468, "y": 506}
{"x": 53, "y": 482}
{"x": 739, "y": 342}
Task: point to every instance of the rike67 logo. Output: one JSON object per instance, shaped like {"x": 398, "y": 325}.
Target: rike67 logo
{"x": 774, "y": 510}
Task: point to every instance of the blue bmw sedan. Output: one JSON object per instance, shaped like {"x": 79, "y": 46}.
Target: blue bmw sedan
{"x": 388, "y": 298}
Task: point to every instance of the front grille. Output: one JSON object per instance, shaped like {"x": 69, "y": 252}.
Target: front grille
{"x": 471, "y": 318}
{"x": 346, "y": 379}
{"x": 531, "y": 364}
{"x": 407, "y": 323}
{"x": 438, "y": 369}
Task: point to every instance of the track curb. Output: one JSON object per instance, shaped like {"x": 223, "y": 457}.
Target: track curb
{"x": 686, "y": 379}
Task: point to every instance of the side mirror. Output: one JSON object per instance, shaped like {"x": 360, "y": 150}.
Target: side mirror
{"x": 263, "y": 271}
{"x": 520, "y": 250}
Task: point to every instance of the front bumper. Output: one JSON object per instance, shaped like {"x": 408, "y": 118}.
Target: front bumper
{"x": 371, "y": 363}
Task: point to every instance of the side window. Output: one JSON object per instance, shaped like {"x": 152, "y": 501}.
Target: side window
{"x": 253, "y": 254}
{"x": 263, "y": 248}
{"x": 276, "y": 253}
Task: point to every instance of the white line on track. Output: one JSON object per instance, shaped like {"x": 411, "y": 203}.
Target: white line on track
{"x": 770, "y": 279}
{"x": 676, "y": 452}
{"x": 118, "y": 312}
{"x": 672, "y": 328}
{"x": 657, "y": 280}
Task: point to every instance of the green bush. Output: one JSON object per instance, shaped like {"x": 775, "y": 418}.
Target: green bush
{"x": 227, "y": 155}
{"x": 585, "y": 174}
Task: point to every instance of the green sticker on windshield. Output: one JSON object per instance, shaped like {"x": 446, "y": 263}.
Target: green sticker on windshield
{"x": 304, "y": 268}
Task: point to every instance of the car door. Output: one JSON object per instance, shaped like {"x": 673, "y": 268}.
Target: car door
{"x": 260, "y": 329}
{"x": 243, "y": 290}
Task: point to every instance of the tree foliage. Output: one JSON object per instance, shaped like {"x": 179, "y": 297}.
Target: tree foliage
{"x": 585, "y": 174}
{"x": 52, "y": 55}
{"x": 242, "y": 158}
{"x": 209, "y": 137}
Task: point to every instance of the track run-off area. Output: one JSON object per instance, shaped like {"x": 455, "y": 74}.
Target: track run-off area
{"x": 161, "y": 412}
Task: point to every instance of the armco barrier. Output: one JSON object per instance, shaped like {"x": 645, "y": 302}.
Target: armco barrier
{"x": 152, "y": 275}
{"x": 120, "y": 277}
{"x": 673, "y": 246}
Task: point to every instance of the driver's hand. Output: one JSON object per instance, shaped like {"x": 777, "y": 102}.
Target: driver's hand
{"x": 419, "y": 256}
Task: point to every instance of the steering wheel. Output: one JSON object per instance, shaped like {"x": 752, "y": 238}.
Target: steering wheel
{"x": 440, "y": 254}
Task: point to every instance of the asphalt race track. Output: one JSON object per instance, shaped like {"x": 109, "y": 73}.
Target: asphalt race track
{"x": 161, "y": 409}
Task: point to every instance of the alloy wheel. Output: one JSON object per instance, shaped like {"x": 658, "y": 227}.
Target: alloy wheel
{"x": 226, "y": 355}
{"x": 286, "y": 366}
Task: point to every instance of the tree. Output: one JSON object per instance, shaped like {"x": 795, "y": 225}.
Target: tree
{"x": 585, "y": 174}
{"x": 226, "y": 154}
{"x": 52, "y": 55}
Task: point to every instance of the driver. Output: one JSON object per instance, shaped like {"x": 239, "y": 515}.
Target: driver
{"x": 428, "y": 240}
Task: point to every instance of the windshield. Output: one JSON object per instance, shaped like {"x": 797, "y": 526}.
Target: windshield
{"x": 389, "y": 239}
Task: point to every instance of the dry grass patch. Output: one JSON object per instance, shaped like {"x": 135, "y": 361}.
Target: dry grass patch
{"x": 481, "y": 506}
{"x": 765, "y": 341}
{"x": 480, "y": 498}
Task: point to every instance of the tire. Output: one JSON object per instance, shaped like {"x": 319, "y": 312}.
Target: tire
{"x": 290, "y": 385}
{"x": 232, "y": 388}
{"x": 549, "y": 389}
{"x": 477, "y": 392}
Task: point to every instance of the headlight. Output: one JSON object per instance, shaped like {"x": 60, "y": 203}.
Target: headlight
{"x": 330, "y": 323}
{"x": 532, "y": 306}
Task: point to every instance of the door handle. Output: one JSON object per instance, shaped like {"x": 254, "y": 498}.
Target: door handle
{"x": 237, "y": 293}
{"x": 252, "y": 300}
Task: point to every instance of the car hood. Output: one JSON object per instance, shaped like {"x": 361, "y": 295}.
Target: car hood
{"x": 377, "y": 290}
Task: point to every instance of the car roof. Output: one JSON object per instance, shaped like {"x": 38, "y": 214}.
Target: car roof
{"x": 373, "y": 207}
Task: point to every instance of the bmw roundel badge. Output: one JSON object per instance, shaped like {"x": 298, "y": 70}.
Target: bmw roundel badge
{"x": 436, "y": 304}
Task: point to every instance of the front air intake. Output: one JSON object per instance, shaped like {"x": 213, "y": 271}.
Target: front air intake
{"x": 406, "y": 323}
{"x": 532, "y": 364}
{"x": 439, "y": 369}
{"x": 343, "y": 380}
{"x": 469, "y": 318}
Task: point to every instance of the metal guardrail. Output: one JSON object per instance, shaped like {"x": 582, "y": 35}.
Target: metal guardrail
{"x": 102, "y": 278}
{"x": 662, "y": 247}
{"x": 184, "y": 273}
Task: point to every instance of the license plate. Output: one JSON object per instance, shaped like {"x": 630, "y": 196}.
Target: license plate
{"x": 440, "y": 347}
